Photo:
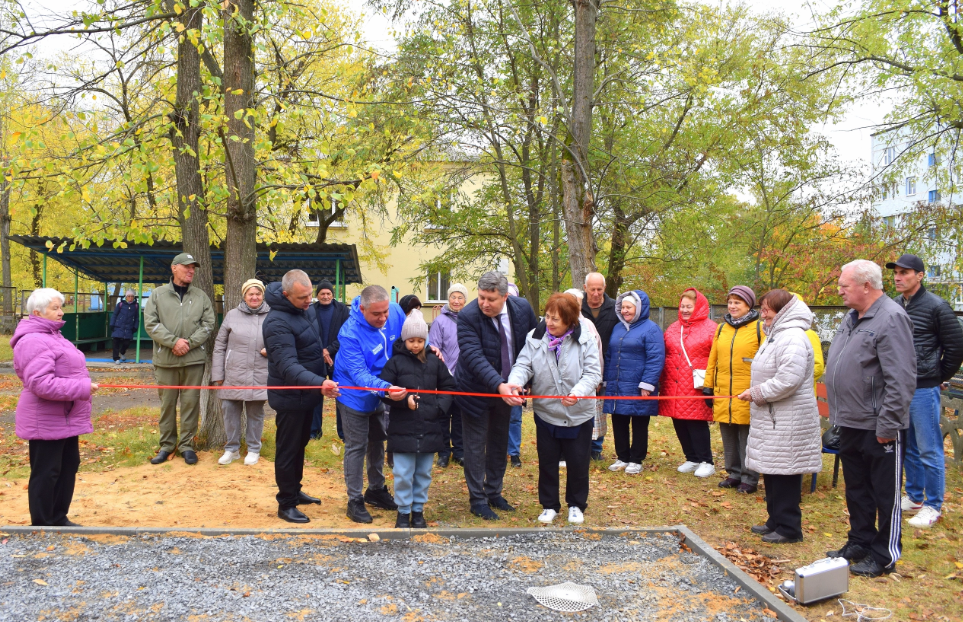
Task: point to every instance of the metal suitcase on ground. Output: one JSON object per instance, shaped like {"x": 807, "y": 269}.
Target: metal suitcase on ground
{"x": 819, "y": 580}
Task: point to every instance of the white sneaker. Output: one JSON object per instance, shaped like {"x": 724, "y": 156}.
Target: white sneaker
{"x": 909, "y": 506}
{"x": 562, "y": 464}
{"x": 547, "y": 516}
{"x": 633, "y": 469}
{"x": 688, "y": 467}
{"x": 925, "y": 518}
{"x": 251, "y": 458}
{"x": 575, "y": 516}
{"x": 705, "y": 470}
{"x": 229, "y": 457}
{"x": 618, "y": 465}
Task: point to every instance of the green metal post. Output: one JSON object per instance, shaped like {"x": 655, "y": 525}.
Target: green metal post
{"x": 44, "y": 270}
{"x": 140, "y": 300}
{"x": 76, "y": 316}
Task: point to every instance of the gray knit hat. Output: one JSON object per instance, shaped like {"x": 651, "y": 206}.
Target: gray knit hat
{"x": 458, "y": 287}
{"x": 414, "y": 326}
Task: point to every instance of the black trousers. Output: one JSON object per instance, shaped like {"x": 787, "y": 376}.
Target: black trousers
{"x": 630, "y": 446}
{"x": 293, "y": 434}
{"x": 783, "y": 496}
{"x": 577, "y": 453}
{"x": 694, "y": 437}
{"x": 120, "y": 347}
{"x": 873, "y": 473}
{"x": 486, "y": 449}
{"x": 53, "y": 473}
{"x": 454, "y": 444}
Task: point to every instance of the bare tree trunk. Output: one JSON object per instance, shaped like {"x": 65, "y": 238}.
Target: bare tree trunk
{"x": 35, "y": 260}
{"x": 191, "y": 212}
{"x": 5, "y": 219}
{"x": 617, "y": 253}
{"x": 240, "y": 254}
{"x": 578, "y": 203}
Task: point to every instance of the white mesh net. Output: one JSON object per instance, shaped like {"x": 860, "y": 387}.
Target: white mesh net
{"x": 569, "y": 597}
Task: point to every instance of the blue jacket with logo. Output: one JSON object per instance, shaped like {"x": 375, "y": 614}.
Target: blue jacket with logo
{"x": 362, "y": 354}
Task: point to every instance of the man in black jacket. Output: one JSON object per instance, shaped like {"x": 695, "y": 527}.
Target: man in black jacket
{"x": 330, "y": 314}
{"x": 491, "y": 333}
{"x": 599, "y": 309}
{"x": 294, "y": 359}
{"x": 938, "y": 339}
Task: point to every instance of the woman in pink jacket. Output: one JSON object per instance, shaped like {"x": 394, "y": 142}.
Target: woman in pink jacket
{"x": 54, "y": 407}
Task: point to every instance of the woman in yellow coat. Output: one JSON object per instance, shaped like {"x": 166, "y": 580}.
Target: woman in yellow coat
{"x": 728, "y": 373}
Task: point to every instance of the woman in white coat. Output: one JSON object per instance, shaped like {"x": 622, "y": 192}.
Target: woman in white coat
{"x": 559, "y": 358}
{"x": 784, "y": 442}
{"x": 240, "y": 359}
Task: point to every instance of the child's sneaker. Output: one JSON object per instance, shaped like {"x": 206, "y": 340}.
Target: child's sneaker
{"x": 634, "y": 468}
{"x": 618, "y": 465}
{"x": 547, "y": 516}
{"x": 575, "y": 516}
{"x": 562, "y": 464}
{"x": 403, "y": 521}
{"x": 418, "y": 520}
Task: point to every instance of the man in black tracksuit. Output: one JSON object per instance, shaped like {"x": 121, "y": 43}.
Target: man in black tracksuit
{"x": 870, "y": 378}
{"x": 294, "y": 359}
{"x": 599, "y": 309}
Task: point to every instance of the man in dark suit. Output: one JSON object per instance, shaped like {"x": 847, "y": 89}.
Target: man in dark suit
{"x": 491, "y": 333}
{"x": 599, "y": 309}
{"x": 331, "y": 314}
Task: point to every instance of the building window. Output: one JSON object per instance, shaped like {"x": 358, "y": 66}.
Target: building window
{"x": 313, "y": 217}
{"x": 889, "y": 221}
{"x": 933, "y": 271}
{"x": 438, "y": 284}
{"x": 933, "y": 196}
{"x": 932, "y": 159}
{"x": 910, "y": 186}
{"x": 889, "y": 154}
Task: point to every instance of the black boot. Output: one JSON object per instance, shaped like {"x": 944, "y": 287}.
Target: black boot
{"x": 380, "y": 498}
{"x": 357, "y": 512}
{"x": 418, "y": 520}
{"x": 403, "y": 521}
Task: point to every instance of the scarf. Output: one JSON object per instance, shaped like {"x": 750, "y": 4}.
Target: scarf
{"x": 555, "y": 343}
{"x": 752, "y": 316}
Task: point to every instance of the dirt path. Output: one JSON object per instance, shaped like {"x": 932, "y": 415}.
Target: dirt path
{"x": 203, "y": 495}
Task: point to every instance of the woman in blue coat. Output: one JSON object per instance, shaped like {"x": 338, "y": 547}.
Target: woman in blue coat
{"x": 633, "y": 364}
{"x": 124, "y": 324}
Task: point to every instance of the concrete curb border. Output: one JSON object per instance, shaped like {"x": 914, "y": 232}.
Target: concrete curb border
{"x": 783, "y": 611}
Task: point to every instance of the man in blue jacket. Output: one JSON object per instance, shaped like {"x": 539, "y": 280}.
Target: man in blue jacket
{"x": 491, "y": 333}
{"x": 294, "y": 359}
{"x": 364, "y": 348}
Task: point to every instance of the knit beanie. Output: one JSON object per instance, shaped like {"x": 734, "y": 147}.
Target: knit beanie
{"x": 458, "y": 287}
{"x": 745, "y": 293}
{"x": 248, "y": 284}
{"x": 325, "y": 284}
{"x": 414, "y": 326}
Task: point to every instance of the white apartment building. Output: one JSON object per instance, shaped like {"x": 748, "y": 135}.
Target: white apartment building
{"x": 917, "y": 184}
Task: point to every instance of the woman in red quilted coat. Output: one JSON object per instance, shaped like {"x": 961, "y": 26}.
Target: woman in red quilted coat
{"x": 687, "y": 345}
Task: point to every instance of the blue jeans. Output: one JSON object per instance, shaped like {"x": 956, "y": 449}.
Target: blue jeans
{"x": 515, "y": 432}
{"x": 412, "y": 478}
{"x": 597, "y": 445}
{"x": 924, "y": 464}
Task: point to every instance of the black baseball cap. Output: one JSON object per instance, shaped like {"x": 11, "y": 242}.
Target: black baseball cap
{"x": 910, "y": 262}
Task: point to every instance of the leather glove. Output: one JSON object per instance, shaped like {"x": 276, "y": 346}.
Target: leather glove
{"x": 708, "y": 391}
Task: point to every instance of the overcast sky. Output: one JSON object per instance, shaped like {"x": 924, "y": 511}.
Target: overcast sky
{"x": 851, "y": 137}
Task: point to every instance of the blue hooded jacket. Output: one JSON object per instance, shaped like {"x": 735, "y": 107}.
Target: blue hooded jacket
{"x": 634, "y": 360}
{"x": 362, "y": 354}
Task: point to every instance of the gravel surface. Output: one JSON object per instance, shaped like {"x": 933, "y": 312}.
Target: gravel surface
{"x": 338, "y": 578}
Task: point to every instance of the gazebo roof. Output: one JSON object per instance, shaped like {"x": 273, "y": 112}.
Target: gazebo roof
{"x": 107, "y": 264}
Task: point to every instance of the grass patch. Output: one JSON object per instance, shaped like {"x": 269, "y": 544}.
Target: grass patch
{"x": 6, "y": 352}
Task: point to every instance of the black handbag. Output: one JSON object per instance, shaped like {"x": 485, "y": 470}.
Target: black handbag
{"x": 831, "y": 438}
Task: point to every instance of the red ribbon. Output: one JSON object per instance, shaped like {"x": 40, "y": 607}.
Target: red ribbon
{"x": 432, "y": 392}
